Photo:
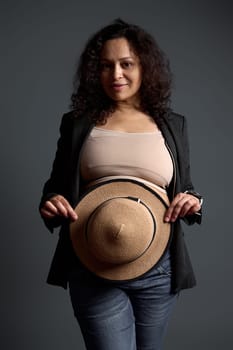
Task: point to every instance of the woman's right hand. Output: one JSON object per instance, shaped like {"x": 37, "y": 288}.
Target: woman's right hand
{"x": 58, "y": 206}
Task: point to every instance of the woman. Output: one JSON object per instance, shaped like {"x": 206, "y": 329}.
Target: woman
{"x": 122, "y": 122}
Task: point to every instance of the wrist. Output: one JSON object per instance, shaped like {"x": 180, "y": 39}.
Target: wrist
{"x": 195, "y": 194}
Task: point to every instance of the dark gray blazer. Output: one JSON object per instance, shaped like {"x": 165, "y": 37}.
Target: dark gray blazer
{"x": 65, "y": 179}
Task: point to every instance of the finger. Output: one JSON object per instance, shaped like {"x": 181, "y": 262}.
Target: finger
{"x": 194, "y": 209}
{"x": 49, "y": 206}
{"x": 46, "y": 213}
{"x": 72, "y": 214}
{"x": 178, "y": 209}
{"x": 70, "y": 211}
{"x": 64, "y": 208}
{"x": 186, "y": 208}
{"x": 181, "y": 206}
{"x": 191, "y": 206}
{"x": 61, "y": 209}
{"x": 170, "y": 210}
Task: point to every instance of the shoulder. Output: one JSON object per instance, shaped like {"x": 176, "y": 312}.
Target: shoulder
{"x": 75, "y": 128}
{"x": 176, "y": 122}
{"x": 68, "y": 124}
{"x": 70, "y": 119}
{"x": 67, "y": 119}
{"x": 176, "y": 119}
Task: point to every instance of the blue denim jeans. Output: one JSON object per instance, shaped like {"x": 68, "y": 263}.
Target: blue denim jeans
{"x": 130, "y": 315}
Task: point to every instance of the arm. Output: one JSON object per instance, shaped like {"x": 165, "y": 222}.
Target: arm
{"x": 54, "y": 206}
{"x": 187, "y": 203}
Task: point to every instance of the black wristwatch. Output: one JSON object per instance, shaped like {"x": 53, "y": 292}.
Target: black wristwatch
{"x": 195, "y": 194}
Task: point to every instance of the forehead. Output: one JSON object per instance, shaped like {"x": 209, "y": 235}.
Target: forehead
{"x": 117, "y": 48}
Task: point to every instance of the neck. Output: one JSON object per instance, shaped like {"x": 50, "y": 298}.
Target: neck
{"x": 126, "y": 106}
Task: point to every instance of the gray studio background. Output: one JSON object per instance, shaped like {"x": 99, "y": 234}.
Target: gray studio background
{"x": 40, "y": 43}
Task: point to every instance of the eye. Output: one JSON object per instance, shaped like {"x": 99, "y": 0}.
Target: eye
{"x": 127, "y": 64}
{"x": 105, "y": 66}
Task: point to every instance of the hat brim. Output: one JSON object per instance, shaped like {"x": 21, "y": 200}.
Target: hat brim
{"x": 157, "y": 201}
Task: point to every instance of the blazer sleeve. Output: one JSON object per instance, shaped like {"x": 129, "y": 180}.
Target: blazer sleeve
{"x": 59, "y": 177}
{"x": 186, "y": 182}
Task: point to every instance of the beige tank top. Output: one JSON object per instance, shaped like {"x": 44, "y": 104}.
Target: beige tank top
{"x": 116, "y": 153}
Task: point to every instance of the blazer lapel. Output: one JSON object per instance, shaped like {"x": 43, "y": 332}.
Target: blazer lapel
{"x": 170, "y": 140}
{"x": 81, "y": 128}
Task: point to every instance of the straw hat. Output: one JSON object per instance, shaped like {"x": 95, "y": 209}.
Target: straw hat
{"x": 120, "y": 232}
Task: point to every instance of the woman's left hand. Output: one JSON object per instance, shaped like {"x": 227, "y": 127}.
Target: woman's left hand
{"x": 183, "y": 204}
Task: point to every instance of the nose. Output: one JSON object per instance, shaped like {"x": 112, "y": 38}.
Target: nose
{"x": 117, "y": 72}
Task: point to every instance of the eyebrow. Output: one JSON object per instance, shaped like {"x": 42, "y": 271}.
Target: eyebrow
{"x": 120, "y": 59}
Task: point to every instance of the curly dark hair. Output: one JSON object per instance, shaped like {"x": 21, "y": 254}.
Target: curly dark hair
{"x": 88, "y": 95}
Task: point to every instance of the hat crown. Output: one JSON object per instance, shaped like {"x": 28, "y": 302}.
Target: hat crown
{"x": 120, "y": 230}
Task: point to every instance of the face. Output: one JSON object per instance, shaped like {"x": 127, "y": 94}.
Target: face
{"x": 120, "y": 71}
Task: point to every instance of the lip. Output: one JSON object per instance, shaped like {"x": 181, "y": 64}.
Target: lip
{"x": 118, "y": 87}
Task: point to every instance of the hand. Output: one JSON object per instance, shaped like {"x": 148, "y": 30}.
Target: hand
{"x": 183, "y": 204}
{"x": 58, "y": 205}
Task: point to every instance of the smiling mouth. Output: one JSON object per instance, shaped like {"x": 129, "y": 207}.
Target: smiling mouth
{"x": 118, "y": 86}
